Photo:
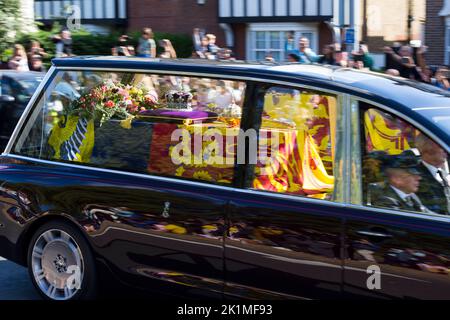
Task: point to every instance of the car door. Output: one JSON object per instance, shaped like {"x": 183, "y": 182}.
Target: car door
{"x": 393, "y": 251}
{"x": 153, "y": 205}
{"x": 285, "y": 226}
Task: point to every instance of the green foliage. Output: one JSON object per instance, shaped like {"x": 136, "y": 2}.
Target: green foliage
{"x": 85, "y": 43}
{"x": 9, "y": 12}
{"x": 182, "y": 43}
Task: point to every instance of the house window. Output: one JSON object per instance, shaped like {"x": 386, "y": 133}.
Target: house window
{"x": 269, "y": 43}
{"x": 271, "y": 40}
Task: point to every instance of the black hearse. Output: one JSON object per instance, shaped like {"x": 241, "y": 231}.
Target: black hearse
{"x": 244, "y": 180}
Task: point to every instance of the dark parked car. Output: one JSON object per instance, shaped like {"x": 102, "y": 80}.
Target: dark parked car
{"x": 253, "y": 181}
{"x": 16, "y": 89}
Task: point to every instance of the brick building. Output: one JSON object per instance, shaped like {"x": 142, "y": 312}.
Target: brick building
{"x": 175, "y": 16}
{"x": 437, "y": 32}
{"x": 252, "y": 28}
{"x": 380, "y": 28}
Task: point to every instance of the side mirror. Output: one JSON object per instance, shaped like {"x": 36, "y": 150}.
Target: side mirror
{"x": 6, "y": 98}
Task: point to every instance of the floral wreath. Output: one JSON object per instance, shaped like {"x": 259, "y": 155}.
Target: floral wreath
{"x": 113, "y": 100}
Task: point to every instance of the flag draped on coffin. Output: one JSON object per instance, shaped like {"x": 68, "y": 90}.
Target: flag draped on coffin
{"x": 197, "y": 166}
{"x": 73, "y": 141}
{"x": 306, "y": 146}
{"x": 387, "y": 134}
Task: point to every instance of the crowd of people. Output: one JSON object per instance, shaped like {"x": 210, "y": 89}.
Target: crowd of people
{"x": 204, "y": 45}
{"x": 401, "y": 60}
{"x": 30, "y": 60}
{"x": 410, "y": 62}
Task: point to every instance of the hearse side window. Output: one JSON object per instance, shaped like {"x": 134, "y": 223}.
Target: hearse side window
{"x": 297, "y": 143}
{"x": 403, "y": 169}
{"x": 164, "y": 125}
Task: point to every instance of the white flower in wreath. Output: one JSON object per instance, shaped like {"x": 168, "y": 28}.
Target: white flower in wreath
{"x": 235, "y": 110}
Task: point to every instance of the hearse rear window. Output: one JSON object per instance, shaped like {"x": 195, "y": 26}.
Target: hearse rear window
{"x": 297, "y": 143}
{"x": 165, "y": 125}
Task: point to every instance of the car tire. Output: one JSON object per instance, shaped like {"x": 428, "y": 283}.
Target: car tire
{"x": 61, "y": 264}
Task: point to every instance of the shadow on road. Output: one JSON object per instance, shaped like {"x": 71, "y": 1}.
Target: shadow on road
{"x": 15, "y": 283}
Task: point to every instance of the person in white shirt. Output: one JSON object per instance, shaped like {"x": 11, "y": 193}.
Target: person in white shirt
{"x": 434, "y": 190}
{"x": 19, "y": 60}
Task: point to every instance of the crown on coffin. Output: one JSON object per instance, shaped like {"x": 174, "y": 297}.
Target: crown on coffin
{"x": 179, "y": 100}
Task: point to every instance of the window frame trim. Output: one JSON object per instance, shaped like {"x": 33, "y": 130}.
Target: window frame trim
{"x": 35, "y": 99}
{"x": 340, "y": 188}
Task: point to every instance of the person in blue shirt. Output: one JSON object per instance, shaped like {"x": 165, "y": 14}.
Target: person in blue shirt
{"x": 305, "y": 53}
{"x": 290, "y": 46}
{"x": 441, "y": 79}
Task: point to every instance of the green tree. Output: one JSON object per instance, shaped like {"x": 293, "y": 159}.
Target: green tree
{"x": 9, "y": 13}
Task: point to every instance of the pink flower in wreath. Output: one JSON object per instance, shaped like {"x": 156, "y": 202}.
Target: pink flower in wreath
{"x": 123, "y": 92}
{"x": 132, "y": 108}
{"x": 151, "y": 97}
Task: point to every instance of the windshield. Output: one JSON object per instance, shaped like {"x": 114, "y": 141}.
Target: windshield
{"x": 30, "y": 85}
{"x": 438, "y": 115}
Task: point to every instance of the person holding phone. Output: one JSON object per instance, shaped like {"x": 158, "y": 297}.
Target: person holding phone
{"x": 363, "y": 55}
{"x": 404, "y": 62}
{"x": 441, "y": 78}
{"x": 36, "y": 50}
{"x": 123, "y": 48}
{"x": 169, "y": 52}
{"x": 19, "y": 60}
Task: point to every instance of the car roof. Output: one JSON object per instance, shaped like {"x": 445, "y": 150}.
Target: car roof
{"x": 421, "y": 102}
{"x": 400, "y": 89}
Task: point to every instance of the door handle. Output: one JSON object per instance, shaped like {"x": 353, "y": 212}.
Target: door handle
{"x": 374, "y": 234}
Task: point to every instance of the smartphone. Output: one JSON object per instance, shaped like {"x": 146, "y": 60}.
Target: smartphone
{"x": 446, "y": 74}
{"x": 405, "y": 60}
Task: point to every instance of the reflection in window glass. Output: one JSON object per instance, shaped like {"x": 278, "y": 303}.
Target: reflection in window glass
{"x": 165, "y": 125}
{"x": 387, "y": 133}
{"x": 402, "y": 168}
{"x": 298, "y": 137}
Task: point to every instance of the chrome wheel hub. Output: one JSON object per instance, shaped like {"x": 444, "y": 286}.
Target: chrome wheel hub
{"x": 57, "y": 265}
